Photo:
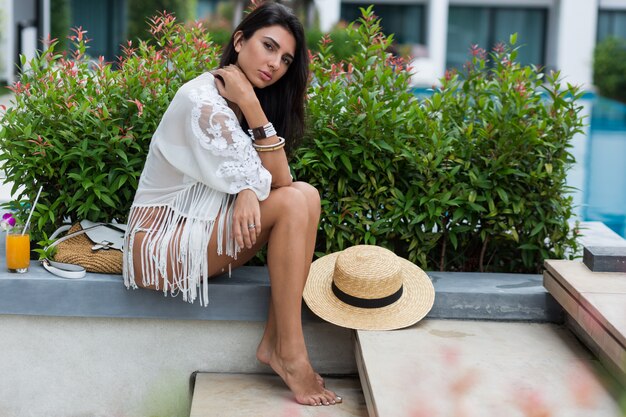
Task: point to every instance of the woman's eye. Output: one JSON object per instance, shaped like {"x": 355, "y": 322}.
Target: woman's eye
{"x": 268, "y": 46}
{"x": 287, "y": 61}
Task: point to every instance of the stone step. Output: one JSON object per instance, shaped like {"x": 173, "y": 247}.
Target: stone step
{"x": 258, "y": 395}
{"x": 491, "y": 369}
{"x": 596, "y": 306}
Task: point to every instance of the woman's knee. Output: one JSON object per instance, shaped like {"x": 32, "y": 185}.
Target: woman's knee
{"x": 290, "y": 202}
{"x": 311, "y": 195}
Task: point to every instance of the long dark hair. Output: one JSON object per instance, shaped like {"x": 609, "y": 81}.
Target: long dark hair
{"x": 283, "y": 101}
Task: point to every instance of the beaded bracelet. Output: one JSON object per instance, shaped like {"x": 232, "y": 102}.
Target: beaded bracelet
{"x": 268, "y": 148}
{"x": 262, "y": 132}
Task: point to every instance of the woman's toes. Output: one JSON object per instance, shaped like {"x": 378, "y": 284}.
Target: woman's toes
{"x": 329, "y": 396}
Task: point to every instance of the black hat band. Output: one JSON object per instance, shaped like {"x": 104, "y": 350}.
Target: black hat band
{"x": 367, "y": 302}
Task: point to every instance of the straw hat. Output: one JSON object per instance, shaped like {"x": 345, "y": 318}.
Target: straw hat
{"x": 368, "y": 288}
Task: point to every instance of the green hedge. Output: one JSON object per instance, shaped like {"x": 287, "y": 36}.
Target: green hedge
{"x": 81, "y": 129}
{"x": 470, "y": 178}
{"x": 609, "y": 68}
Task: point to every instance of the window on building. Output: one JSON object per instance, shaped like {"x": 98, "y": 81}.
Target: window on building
{"x": 486, "y": 26}
{"x": 405, "y": 21}
{"x": 104, "y": 22}
{"x": 611, "y": 23}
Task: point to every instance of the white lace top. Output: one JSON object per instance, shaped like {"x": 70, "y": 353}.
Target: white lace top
{"x": 199, "y": 159}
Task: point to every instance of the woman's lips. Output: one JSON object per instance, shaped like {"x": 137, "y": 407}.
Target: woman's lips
{"x": 266, "y": 76}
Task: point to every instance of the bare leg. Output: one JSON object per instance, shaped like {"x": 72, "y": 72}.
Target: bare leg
{"x": 289, "y": 220}
{"x": 265, "y": 349}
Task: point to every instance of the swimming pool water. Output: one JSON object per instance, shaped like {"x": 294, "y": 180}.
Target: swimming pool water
{"x": 602, "y": 158}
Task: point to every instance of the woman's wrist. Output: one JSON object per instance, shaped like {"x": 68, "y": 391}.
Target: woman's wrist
{"x": 248, "y": 191}
{"x": 252, "y": 111}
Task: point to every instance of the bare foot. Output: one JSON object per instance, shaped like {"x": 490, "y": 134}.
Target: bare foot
{"x": 264, "y": 353}
{"x": 301, "y": 380}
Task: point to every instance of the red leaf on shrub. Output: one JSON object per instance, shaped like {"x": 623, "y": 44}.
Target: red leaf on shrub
{"x": 254, "y": 4}
{"x": 139, "y": 106}
{"x": 16, "y": 88}
{"x": 521, "y": 89}
{"x": 498, "y": 48}
{"x": 79, "y": 35}
{"x": 478, "y": 52}
{"x": 312, "y": 57}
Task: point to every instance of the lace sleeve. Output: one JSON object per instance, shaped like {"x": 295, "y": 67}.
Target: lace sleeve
{"x": 223, "y": 151}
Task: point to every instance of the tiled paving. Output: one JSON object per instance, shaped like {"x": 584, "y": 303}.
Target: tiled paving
{"x": 246, "y": 395}
{"x": 596, "y": 301}
{"x": 488, "y": 369}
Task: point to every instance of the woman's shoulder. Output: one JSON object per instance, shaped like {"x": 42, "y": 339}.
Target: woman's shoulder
{"x": 204, "y": 79}
{"x": 200, "y": 88}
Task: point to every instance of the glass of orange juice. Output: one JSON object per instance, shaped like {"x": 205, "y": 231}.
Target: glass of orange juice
{"x": 18, "y": 249}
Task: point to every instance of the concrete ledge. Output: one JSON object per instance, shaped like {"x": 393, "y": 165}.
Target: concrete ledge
{"x": 245, "y": 297}
{"x": 493, "y": 296}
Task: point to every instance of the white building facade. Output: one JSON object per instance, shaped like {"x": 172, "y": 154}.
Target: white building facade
{"x": 555, "y": 34}
{"x": 24, "y": 24}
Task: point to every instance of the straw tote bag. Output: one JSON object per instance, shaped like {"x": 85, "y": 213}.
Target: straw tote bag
{"x": 88, "y": 246}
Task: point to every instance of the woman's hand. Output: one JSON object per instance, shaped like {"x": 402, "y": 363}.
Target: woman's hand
{"x": 246, "y": 219}
{"x": 233, "y": 85}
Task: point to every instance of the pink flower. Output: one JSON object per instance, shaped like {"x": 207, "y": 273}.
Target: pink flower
{"x": 7, "y": 221}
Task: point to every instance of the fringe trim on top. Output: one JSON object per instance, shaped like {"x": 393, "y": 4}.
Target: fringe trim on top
{"x": 180, "y": 232}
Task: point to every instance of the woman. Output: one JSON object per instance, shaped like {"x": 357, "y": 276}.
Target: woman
{"x": 211, "y": 195}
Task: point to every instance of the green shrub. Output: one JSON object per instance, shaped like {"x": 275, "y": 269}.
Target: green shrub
{"x": 81, "y": 129}
{"x": 494, "y": 154}
{"x": 609, "y": 68}
{"x": 472, "y": 178}
{"x": 360, "y": 122}
{"x": 343, "y": 45}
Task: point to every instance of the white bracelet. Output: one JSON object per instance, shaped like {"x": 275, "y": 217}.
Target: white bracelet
{"x": 272, "y": 147}
{"x": 262, "y": 132}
